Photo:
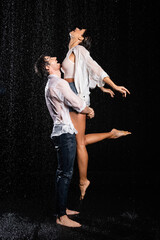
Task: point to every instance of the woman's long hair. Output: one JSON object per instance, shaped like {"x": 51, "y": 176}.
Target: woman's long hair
{"x": 87, "y": 40}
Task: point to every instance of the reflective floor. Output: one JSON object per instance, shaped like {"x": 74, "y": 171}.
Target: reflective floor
{"x": 126, "y": 208}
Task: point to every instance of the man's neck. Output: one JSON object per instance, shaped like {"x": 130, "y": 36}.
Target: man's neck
{"x": 57, "y": 73}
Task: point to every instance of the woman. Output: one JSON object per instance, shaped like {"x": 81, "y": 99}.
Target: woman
{"x": 83, "y": 73}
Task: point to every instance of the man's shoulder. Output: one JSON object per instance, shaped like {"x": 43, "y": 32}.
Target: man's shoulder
{"x": 56, "y": 80}
{"x": 62, "y": 82}
{"x": 58, "y": 85}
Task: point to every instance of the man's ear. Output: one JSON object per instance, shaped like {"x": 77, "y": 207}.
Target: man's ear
{"x": 47, "y": 67}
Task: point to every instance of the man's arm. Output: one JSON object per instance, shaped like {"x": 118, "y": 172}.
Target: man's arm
{"x": 89, "y": 112}
{"x": 72, "y": 100}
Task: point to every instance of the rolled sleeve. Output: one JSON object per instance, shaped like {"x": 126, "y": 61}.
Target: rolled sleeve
{"x": 101, "y": 83}
{"x": 96, "y": 73}
{"x": 82, "y": 108}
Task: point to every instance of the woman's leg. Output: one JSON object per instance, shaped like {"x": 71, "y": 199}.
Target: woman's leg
{"x": 79, "y": 122}
{"x": 97, "y": 137}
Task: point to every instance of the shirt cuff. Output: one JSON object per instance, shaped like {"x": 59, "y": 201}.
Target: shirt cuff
{"x": 102, "y": 83}
{"x": 82, "y": 108}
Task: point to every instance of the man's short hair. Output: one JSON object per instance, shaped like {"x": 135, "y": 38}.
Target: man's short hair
{"x": 40, "y": 67}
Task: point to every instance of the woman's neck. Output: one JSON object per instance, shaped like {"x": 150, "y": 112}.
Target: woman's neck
{"x": 73, "y": 42}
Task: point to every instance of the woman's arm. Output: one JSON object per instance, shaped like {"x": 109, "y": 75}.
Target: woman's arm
{"x": 107, "y": 90}
{"x": 120, "y": 89}
{"x": 97, "y": 76}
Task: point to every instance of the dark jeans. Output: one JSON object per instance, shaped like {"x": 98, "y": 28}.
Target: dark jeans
{"x": 65, "y": 146}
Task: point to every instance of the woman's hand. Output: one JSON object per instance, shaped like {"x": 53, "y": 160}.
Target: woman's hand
{"x": 107, "y": 90}
{"x": 122, "y": 90}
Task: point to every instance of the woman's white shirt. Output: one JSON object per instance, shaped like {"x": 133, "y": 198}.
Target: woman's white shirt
{"x": 87, "y": 73}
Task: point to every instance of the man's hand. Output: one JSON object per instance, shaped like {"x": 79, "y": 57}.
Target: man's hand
{"x": 91, "y": 113}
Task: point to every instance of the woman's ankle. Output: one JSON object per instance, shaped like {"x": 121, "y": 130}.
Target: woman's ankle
{"x": 83, "y": 181}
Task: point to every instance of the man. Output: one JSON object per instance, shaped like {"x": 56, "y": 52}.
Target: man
{"x": 59, "y": 97}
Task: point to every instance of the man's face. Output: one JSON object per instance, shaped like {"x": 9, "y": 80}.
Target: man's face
{"x": 53, "y": 63}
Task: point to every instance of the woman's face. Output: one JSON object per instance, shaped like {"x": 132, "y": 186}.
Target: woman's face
{"x": 77, "y": 33}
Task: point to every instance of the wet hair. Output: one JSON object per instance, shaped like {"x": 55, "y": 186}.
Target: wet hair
{"x": 40, "y": 67}
{"x": 87, "y": 40}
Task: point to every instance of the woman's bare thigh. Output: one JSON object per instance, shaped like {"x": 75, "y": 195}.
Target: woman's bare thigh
{"x": 79, "y": 122}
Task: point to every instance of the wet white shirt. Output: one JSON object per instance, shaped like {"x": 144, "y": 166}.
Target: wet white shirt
{"x": 87, "y": 73}
{"x": 59, "y": 97}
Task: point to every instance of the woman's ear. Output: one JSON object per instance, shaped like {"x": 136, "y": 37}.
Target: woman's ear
{"x": 80, "y": 39}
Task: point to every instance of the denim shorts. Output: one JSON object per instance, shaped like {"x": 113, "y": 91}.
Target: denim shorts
{"x": 73, "y": 87}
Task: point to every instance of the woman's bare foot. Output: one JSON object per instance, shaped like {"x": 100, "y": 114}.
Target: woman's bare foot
{"x": 118, "y": 133}
{"x": 65, "y": 221}
{"x": 71, "y": 212}
{"x": 83, "y": 187}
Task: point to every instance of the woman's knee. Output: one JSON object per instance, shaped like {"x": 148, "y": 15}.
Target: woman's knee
{"x": 81, "y": 141}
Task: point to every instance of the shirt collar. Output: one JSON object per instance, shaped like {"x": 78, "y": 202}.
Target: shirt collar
{"x": 53, "y": 75}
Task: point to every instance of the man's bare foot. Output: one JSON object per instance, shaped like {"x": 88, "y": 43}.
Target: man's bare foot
{"x": 71, "y": 212}
{"x": 119, "y": 133}
{"x": 83, "y": 187}
{"x": 65, "y": 221}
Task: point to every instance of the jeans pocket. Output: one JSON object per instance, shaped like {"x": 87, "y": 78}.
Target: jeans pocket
{"x": 56, "y": 143}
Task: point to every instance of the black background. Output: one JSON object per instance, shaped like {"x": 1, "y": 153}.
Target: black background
{"x": 125, "y": 44}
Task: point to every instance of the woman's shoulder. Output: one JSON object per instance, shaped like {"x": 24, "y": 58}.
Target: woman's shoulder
{"x": 81, "y": 49}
